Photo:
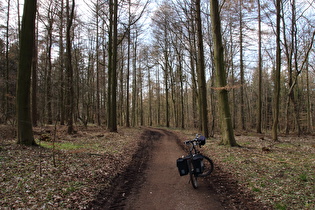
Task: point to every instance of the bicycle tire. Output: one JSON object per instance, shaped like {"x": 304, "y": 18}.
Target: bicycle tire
{"x": 208, "y": 166}
{"x": 193, "y": 178}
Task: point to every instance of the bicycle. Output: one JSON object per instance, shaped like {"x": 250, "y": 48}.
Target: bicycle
{"x": 195, "y": 164}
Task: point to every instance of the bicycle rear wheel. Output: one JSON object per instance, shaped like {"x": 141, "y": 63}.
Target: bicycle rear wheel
{"x": 193, "y": 178}
{"x": 208, "y": 166}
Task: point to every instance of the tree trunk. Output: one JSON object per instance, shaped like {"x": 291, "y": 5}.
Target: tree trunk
{"x": 69, "y": 68}
{"x": 274, "y": 131}
{"x": 193, "y": 73}
{"x": 6, "y": 77}
{"x": 166, "y": 77}
{"x": 309, "y": 105}
{"x": 34, "y": 81}
{"x": 112, "y": 122}
{"x": 203, "y": 105}
{"x": 134, "y": 81}
{"x": 98, "y": 109}
{"x": 110, "y": 61}
{"x": 259, "y": 100}
{"x": 61, "y": 66}
{"x": 242, "y": 104}
{"x": 128, "y": 67}
{"x": 49, "y": 70}
{"x": 226, "y": 121}
{"x": 24, "y": 122}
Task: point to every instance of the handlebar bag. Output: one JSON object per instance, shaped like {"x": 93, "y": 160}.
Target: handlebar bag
{"x": 197, "y": 162}
{"x": 202, "y": 140}
{"x": 182, "y": 166}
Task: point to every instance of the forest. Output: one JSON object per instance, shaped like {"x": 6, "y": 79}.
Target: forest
{"x": 97, "y": 83}
{"x": 136, "y": 63}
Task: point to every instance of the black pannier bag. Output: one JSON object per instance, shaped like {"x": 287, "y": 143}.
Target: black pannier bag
{"x": 202, "y": 140}
{"x": 197, "y": 162}
{"x": 182, "y": 166}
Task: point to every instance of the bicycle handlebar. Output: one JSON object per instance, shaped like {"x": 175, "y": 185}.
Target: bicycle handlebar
{"x": 196, "y": 139}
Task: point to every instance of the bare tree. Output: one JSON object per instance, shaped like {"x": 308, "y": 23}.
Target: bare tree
{"x": 69, "y": 67}
{"x": 276, "y": 106}
{"x": 112, "y": 65}
{"x": 24, "y": 122}
{"x": 225, "y": 116}
{"x": 203, "y": 105}
{"x": 259, "y": 101}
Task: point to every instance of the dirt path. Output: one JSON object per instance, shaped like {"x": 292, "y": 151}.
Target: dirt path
{"x": 152, "y": 182}
{"x": 162, "y": 187}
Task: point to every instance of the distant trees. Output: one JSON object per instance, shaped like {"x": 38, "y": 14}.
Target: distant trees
{"x": 106, "y": 68}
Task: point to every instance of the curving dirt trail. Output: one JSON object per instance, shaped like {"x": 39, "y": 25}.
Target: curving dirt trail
{"x": 162, "y": 187}
{"x": 152, "y": 182}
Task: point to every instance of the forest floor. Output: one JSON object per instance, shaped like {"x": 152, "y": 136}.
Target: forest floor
{"x": 95, "y": 169}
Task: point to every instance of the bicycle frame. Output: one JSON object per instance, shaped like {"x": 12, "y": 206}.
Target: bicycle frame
{"x": 198, "y": 165}
{"x": 193, "y": 144}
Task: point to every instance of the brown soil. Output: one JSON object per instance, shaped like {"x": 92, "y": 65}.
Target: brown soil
{"x": 153, "y": 182}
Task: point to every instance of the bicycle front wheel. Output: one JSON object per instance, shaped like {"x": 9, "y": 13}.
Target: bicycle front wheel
{"x": 208, "y": 166}
{"x": 193, "y": 178}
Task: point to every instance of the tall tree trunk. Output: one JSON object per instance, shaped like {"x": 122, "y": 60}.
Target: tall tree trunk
{"x": 69, "y": 68}
{"x": 6, "y": 94}
{"x": 98, "y": 109}
{"x": 181, "y": 91}
{"x": 203, "y": 105}
{"x": 193, "y": 72}
{"x": 309, "y": 105}
{"x": 134, "y": 81}
{"x": 234, "y": 108}
{"x": 293, "y": 95}
{"x": 150, "y": 94}
{"x": 49, "y": 72}
{"x": 158, "y": 98}
{"x": 259, "y": 101}
{"x": 128, "y": 67}
{"x": 276, "y": 106}
{"x": 166, "y": 76}
{"x": 112, "y": 122}
{"x": 61, "y": 65}
{"x": 225, "y": 115}
{"x": 24, "y": 122}
{"x": 110, "y": 67}
{"x": 242, "y": 104}
{"x": 34, "y": 80}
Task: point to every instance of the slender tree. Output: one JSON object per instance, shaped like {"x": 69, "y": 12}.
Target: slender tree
{"x": 259, "y": 100}
{"x": 276, "y": 107}
{"x": 61, "y": 64}
{"x": 49, "y": 41}
{"x": 24, "y": 122}
{"x": 6, "y": 95}
{"x": 69, "y": 67}
{"x": 203, "y": 105}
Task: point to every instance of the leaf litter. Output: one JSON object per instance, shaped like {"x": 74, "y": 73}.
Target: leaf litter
{"x": 30, "y": 179}
{"x": 278, "y": 174}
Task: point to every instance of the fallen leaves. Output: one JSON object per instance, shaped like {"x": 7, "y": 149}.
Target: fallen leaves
{"x": 280, "y": 175}
{"x": 85, "y": 164}
{"x": 283, "y": 176}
